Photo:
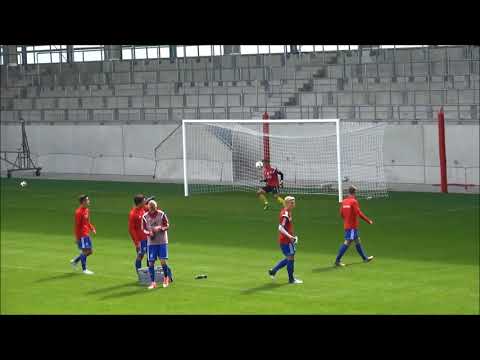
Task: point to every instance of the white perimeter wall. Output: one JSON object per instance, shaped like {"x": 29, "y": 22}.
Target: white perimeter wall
{"x": 410, "y": 151}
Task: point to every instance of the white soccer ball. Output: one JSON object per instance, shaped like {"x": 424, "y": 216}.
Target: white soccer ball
{"x": 259, "y": 164}
{"x": 23, "y": 183}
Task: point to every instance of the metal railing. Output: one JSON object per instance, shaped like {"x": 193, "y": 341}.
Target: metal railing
{"x": 444, "y": 97}
{"x": 343, "y": 50}
{"x": 381, "y": 113}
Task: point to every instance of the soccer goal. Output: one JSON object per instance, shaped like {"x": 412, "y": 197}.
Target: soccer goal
{"x": 316, "y": 156}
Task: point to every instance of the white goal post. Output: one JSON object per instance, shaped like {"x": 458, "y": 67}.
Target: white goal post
{"x": 316, "y": 156}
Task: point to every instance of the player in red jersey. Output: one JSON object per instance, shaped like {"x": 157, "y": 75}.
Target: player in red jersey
{"x": 82, "y": 234}
{"x": 350, "y": 211}
{"x": 287, "y": 241}
{"x": 270, "y": 177}
{"x": 136, "y": 229}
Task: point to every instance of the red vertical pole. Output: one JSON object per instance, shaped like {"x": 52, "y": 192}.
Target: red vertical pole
{"x": 266, "y": 138}
{"x": 442, "y": 152}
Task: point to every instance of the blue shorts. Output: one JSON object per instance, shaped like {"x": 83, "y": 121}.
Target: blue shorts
{"x": 142, "y": 249}
{"x": 352, "y": 234}
{"x": 159, "y": 251}
{"x": 84, "y": 243}
{"x": 288, "y": 249}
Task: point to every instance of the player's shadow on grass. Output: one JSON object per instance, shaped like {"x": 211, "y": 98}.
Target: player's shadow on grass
{"x": 265, "y": 287}
{"x": 58, "y": 277}
{"x": 332, "y": 267}
{"x": 113, "y": 288}
{"x": 137, "y": 289}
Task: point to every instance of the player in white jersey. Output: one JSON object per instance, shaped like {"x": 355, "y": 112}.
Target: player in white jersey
{"x": 156, "y": 223}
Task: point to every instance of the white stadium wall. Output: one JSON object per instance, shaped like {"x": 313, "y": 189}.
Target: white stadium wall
{"x": 410, "y": 151}
{"x": 411, "y": 154}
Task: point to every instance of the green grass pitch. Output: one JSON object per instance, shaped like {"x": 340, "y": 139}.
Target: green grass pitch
{"x": 426, "y": 248}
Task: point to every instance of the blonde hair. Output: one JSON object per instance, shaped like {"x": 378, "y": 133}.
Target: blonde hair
{"x": 289, "y": 198}
{"x": 153, "y": 202}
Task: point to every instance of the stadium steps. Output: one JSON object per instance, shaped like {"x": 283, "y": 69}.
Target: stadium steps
{"x": 129, "y": 89}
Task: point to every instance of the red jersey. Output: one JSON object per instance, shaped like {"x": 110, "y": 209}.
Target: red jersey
{"x": 286, "y": 221}
{"x": 271, "y": 176}
{"x": 135, "y": 226}
{"x": 350, "y": 211}
{"x": 82, "y": 223}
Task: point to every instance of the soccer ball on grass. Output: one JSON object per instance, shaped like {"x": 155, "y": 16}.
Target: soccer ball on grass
{"x": 23, "y": 184}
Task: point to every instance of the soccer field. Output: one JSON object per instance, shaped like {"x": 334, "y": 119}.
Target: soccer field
{"x": 426, "y": 249}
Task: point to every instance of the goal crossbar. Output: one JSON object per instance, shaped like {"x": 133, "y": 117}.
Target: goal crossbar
{"x": 260, "y": 121}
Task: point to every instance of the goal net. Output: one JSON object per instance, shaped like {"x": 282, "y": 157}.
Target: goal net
{"x": 315, "y": 156}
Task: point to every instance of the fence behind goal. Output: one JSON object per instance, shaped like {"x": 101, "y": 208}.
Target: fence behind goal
{"x": 221, "y": 155}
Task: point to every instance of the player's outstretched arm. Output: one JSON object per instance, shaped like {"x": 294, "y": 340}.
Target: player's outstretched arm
{"x": 281, "y": 177}
{"x": 362, "y": 215}
{"x": 281, "y": 174}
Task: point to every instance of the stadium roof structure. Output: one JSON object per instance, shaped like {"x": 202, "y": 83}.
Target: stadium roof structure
{"x": 41, "y": 54}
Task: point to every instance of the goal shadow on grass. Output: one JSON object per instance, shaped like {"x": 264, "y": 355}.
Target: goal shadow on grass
{"x": 265, "y": 287}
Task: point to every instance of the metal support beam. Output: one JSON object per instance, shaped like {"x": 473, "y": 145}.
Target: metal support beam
{"x": 10, "y": 55}
{"x": 69, "y": 54}
{"x": 113, "y": 52}
{"x": 24, "y": 55}
{"x": 231, "y": 49}
{"x": 173, "y": 52}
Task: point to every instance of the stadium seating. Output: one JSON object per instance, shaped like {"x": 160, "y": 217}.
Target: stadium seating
{"x": 408, "y": 84}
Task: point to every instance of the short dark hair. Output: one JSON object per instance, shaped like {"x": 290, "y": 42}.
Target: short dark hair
{"x": 138, "y": 199}
{"x": 82, "y": 198}
{"x": 352, "y": 189}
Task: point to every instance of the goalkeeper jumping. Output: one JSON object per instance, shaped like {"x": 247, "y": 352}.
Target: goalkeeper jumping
{"x": 270, "y": 177}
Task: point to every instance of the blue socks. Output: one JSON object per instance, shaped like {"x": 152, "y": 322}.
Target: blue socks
{"x": 288, "y": 264}
{"x": 151, "y": 270}
{"x": 169, "y": 272}
{"x": 165, "y": 270}
{"x": 360, "y": 251}
{"x": 138, "y": 264}
{"x": 342, "y": 250}
{"x": 280, "y": 265}
{"x": 83, "y": 259}
{"x": 290, "y": 270}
